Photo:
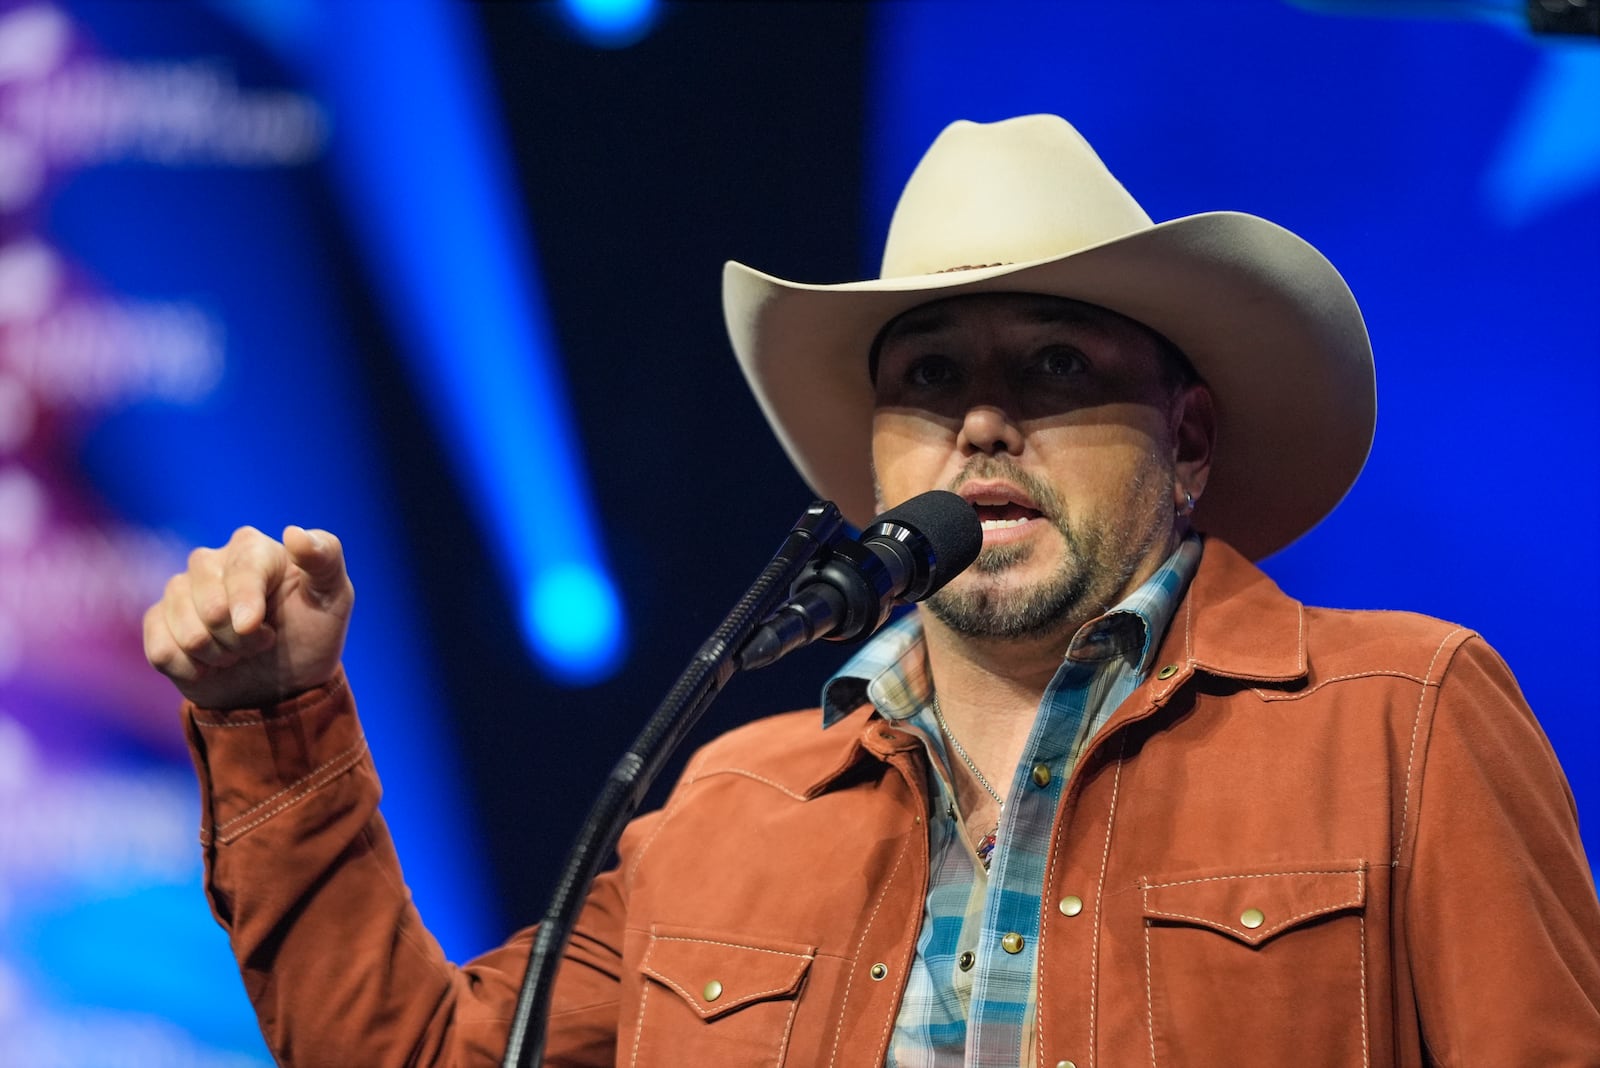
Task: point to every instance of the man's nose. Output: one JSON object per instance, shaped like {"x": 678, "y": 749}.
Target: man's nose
{"x": 987, "y": 428}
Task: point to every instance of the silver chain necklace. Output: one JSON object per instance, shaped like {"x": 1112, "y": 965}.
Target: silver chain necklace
{"x": 961, "y": 751}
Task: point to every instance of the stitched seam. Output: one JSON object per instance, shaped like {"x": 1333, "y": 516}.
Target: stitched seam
{"x": 1044, "y": 934}
{"x": 247, "y": 813}
{"x": 699, "y": 1004}
{"x": 1256, "y": 875}
{"x": 855, "y": 960}
{"x": 888, "y": 1023}
{"x": 1099, "y": 896}
{"x": 788, "y": 1029}
{"x": 1149, "y": 987}
{"x": 1416, "y": 723}
{"x": 1300, "y": 648}
{"x": 1366, "y": 1056}
{"x": 310, "y": 784}
{"x": 638, "y": 1024}
{"x": 752, "y": 775}
{"x": 731, "y": 945}
{"x": 1273, "y": 695}
{"x": 674, "y": 802}
{"x": 1258, "y": 934}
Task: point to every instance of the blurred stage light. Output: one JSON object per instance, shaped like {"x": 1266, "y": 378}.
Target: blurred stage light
{"x": 611, "y": 23}
{"x": 431, "y": 196}
{"x": 574, "y": 620}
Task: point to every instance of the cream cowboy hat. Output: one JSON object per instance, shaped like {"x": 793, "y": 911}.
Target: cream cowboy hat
{"x": 1025, "y": 205}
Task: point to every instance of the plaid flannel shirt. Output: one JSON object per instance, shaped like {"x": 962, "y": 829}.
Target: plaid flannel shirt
{"x": 970, "y": 997}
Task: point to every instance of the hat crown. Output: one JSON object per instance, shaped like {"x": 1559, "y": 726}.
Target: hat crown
{"x": 1024, "y": 189}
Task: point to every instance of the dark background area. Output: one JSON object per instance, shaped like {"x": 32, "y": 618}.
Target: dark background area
{"x": 637, "y": 198}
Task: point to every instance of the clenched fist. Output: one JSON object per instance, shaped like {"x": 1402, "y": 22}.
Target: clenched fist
{"x": 254, "y": 622}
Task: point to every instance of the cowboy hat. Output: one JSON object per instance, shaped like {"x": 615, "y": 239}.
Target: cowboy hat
{"x": 1026, "y": 206}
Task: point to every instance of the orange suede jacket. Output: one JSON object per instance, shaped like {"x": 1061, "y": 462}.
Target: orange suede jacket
{"x": 1313, "y": 837}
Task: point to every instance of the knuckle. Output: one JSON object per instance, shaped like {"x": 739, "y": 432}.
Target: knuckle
{"x": 192, "y": 642}
{"x": 245, "y": 535}
{"x": 211, "y": 603}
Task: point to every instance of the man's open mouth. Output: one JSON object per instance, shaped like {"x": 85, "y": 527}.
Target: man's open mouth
{"x": 1002, "y": 514}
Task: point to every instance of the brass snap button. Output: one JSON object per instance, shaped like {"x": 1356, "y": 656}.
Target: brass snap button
{"x": 965, "y": 961}
{"x": 1071, "y": 905}
{"x": 1011, "y": 942}
{"x": 1252, "y": 918}
{"x": 879, "y": 971}
{"x": 713, "y": 990}
{"x": 1041, "y": 775}
{"x": 1167, "y": 671}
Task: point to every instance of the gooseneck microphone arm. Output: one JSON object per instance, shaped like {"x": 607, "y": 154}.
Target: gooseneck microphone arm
{"x": 820, "y": 584}
{"x": 634, "y": 773}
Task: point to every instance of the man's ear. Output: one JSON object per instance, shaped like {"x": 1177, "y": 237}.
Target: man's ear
{"x": 1194, "y": 437}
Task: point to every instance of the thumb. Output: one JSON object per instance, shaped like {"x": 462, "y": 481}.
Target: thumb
{"x": 321, "y": 556}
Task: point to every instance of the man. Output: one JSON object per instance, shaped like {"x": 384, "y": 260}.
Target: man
{"x": 1111, "y": 798}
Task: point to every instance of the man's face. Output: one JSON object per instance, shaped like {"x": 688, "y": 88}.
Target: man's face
{"x": 1056, "y": 421}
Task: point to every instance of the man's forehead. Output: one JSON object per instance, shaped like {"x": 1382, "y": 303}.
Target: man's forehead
{"x": 1028, "y": 308}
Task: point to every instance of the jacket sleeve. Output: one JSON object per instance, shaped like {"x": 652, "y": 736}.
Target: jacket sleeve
{"x": 1502, "y": 923}
{"x": 301, "y": 872}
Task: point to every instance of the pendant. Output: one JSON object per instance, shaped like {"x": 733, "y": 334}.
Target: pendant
{"x": 986, "y": 847}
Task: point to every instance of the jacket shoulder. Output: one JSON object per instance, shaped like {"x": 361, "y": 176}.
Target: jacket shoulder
{"x": 792, "y": 750}
{"x": 1341, "y": 641}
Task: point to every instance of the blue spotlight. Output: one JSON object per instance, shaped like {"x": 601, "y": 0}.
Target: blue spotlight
{"x": 424, "y": 170}
{"x": 611, "y": 23}
{"x": 572, "y": 618}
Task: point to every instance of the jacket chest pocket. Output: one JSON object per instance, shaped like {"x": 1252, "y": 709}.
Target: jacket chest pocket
{"x": 721, "y": 999}
{"x": 1257, "y": 967}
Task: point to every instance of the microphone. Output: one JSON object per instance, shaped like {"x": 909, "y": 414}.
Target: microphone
{"x": 905, "y": 554}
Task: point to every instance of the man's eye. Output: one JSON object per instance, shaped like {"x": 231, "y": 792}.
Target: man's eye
{"x": 1060, "y": 360}
{"x": 929, "y": 371}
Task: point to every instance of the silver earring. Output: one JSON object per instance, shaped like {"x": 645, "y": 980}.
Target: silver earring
{"x": 1188, "y": 503}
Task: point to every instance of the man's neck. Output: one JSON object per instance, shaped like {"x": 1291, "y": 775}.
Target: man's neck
{"x": 990, "y": 688}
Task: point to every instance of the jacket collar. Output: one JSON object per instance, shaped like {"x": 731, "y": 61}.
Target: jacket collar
{"x": 1232, "y": 623}
{"x": 1235, "y": 623}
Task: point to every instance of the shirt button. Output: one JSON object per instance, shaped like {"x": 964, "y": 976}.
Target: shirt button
{"x": 1071, "y": 905}
{"x": 1011, "y": 942}
{"x": 1252, "y": 918}
{"x": 965, "y": 961}
{"x": 1041, "y": 775}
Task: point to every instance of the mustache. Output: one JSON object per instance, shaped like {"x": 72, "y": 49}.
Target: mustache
{"x": 1001, "y": 468}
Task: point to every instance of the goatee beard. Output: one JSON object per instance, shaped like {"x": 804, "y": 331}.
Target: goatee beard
{"x": 1093, "y": 570}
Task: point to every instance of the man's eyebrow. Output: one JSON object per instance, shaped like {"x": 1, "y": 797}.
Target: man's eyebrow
{"x": 917, "y": 323}
{"x": 1067, "y": 315}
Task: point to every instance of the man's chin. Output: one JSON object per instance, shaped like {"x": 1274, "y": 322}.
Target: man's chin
{"x": 1007, "y": 606}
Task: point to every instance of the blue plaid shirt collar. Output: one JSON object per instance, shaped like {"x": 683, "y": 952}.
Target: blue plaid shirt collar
{"x": 891, "y": 670}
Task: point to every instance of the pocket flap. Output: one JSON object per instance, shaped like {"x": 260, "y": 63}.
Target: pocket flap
{"x": 1253, "y": 906}
{"x": 716, "y": 973}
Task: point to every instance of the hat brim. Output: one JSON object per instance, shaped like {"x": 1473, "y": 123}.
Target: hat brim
{"x": 1263, "y": 316}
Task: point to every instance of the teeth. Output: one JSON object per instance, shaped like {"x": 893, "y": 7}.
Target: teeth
{"x": 1001, "y": 524}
